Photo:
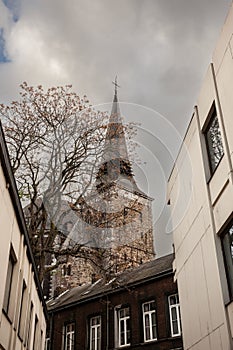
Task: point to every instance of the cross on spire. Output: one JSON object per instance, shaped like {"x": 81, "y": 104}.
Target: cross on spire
{"x": 116, "y": 85}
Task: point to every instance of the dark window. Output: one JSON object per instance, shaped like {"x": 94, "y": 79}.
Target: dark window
{"x": 22, "y": 311}
{"x": 68, "y": 272}
{"x": 214, "y": 140}
{"x": 9, "y": 278}
{"x": 29, "y": 326}
{"x": 35, "y": 337}
{"x": 227, "y": 244}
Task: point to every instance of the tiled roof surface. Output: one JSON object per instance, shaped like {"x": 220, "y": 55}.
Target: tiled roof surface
{"x": 145, "y": 272}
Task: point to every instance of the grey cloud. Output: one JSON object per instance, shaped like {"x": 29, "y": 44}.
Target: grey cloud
{"x": 160, "y": 50}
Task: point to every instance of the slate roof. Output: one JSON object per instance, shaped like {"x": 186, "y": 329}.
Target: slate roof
{"x": 154, "y": 269}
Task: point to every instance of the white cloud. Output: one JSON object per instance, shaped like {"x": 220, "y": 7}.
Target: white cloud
{"x": 159, "y": 49}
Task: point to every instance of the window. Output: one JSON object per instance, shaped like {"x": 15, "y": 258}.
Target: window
{"x": 35, "y": 338}
{"x": 29, "y": 326}
{"x": 9, "y": 279}
{"x": 123, "y": 318}
{"x": 68, "y": 272}
{"x": 69, "y": 336}
{"x": 47, "y": 341}
{"x": 149, "y": 321}
{"x": 174, "y": 313}
{"x": 95, "y": 333}
{"x": 22, "y": 311}
{"x": 227, "y": 245}
{"x": 214, "y": 141}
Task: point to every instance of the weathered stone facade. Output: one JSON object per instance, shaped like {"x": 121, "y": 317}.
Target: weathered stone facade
{"x": 114, "y": 221}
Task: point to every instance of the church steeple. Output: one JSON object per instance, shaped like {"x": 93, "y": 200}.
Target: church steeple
{"x": 115, "y": 161}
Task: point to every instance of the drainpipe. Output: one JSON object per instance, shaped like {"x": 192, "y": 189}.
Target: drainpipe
{"x": 107, "y": 322}
{"x": 51, "y": 331}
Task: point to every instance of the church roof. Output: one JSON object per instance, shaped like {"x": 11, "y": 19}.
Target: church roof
{"x": 146, "y": 272}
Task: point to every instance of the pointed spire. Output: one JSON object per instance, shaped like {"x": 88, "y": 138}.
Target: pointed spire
{"x": 115, "y": 154}
{"x": 115, "y": 116}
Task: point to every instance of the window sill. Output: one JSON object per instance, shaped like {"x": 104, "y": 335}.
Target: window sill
{"x": 7, "y": 316}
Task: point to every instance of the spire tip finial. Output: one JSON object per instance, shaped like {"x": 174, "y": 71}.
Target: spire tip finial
{"x": 116, "y": 85}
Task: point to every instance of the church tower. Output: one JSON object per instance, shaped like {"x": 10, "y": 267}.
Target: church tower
{"x": 116, "y": 216}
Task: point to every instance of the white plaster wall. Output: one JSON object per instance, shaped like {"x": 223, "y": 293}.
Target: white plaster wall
{"x": 11, "y": 235}
{"x": 197, "y": 272}
{"x": 207, "y": 318}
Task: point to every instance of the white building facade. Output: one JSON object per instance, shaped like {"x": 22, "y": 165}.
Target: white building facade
{"x": 22, "y": 308}
{"x": 200, "y": 192}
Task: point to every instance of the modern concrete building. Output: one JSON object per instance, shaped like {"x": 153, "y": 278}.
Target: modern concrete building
{"x": 138, "y": 309}
{"x": 200, "y": 192}
{"x": 22, "y": 307}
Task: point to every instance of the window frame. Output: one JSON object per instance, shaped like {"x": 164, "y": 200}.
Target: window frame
{"x": 126, "y": 328}
{"x": 35, "y": 333}
{"x": 97, "y": 328}
{"x": 71, "y": 346}
{"x": 150, "y": 314}
{"x": 29, "y": 330}
{"x": 176, "y": 307}
{"x": 9, "y": 281}
{"x": 22, "y": 311}
{"x": 213, "y": 165}
{"x": 228, "y": 262}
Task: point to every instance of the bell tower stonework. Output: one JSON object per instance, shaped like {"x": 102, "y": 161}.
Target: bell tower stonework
{"x": 116, "y": 217}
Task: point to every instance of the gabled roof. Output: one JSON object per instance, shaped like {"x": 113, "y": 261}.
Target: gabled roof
{"x": 146, "y": 272}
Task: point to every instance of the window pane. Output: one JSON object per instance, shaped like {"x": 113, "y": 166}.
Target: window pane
{"x": 228, "y": 252}
{"x": 147, "y": 320}
{"x": 147, "y": 330}
{"x": 173, "y": 312}
{"x": 174, "y": 309}
{"x": 8, "y": 284}
{"x": 69, "y": 336}
{"x": 214, "y": 141}
{"x": 124, "y": 330}
{"x": 153, "y": 317}
{"x": 172, "y": 300}
{"x": 154, "y": 332}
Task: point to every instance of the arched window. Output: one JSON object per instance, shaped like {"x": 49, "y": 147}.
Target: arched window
{"x": 68, "y": 272}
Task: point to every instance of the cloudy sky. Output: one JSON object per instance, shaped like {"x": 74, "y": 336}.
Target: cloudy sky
{"x": 160, "y": 50}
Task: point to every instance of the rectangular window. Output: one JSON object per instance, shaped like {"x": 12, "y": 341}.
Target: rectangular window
{"x": 8, "y": 284}
{"x": 47, "y": 341}
{"x": 69, "y": 336}
{"x": 95, "y": 333}
{"x": 123, "y": 317}
{"x": 35, "y": 338}
{"x": 22, "y": 311}
{"x": 149, "y": 321}
{"x": 214, "y": 140}
{"x": 29, "y": 327}
{"x": 174, "y": 313}
{"x": 227, "y": 245}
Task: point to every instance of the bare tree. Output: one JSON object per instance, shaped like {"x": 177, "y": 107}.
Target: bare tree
{"x": 54, "y": 139}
